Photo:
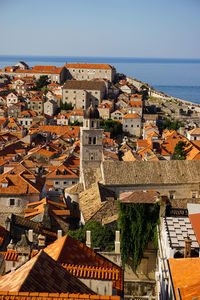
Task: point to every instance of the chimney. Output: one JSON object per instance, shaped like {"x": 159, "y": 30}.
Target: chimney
{"x": 88, "y": 238}
{"x": 117, "y": 242}
{"x": 59, "y": 234}
{"x": 30, "y": 235}
{"x": 41, "y": 241}
{"x": 187, "y": 250}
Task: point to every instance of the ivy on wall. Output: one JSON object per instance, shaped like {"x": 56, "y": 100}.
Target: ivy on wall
{"x": 138, "y": 225}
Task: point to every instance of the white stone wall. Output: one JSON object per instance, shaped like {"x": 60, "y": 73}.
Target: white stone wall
{"x": 88, "y": 74}
{"x": 132, "y": 125}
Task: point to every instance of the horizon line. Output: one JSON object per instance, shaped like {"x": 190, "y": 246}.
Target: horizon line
{"x": 111, "y": 57}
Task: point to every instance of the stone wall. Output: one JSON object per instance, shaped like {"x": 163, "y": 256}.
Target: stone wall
{"x": 7, "y": 211}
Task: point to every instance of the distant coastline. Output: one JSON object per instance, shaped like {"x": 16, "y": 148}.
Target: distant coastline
{"x": 179, "y": 78}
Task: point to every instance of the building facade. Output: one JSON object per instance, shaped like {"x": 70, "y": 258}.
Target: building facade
{"x": 90, "y": 71}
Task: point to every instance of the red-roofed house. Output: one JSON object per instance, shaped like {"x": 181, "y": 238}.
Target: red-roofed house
{"x": 132, "y": 124}
{"x": 90, "y": 71}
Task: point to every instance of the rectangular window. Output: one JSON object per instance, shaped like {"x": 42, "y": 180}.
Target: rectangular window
{"x": 12, "y": 202}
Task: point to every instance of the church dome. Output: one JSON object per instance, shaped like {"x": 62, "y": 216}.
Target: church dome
{"x": 91, "y": 113}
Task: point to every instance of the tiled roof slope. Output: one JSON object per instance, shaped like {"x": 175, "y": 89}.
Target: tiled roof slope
{"x": 92, "y": 201}
{"x": 185, "y": 274}
{"x": 83, "y": 85}
{"x": 52, "y": 296}
{"x": 92, "y": 272}
{"x": 17, "y": 185}
{"x": 88, "y": 66}
{"x": 154, "y": 172}
{"x": 195, "y": 221}
{"x": 42, "y": 274}
{"x": 150, "y": 197}
{"x": 67, "y": 250}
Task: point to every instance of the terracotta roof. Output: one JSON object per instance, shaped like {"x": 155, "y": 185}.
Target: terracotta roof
{"x": 185, "y": 273}
{"x": 27, "y": 113}
{"x": 195, "y": 221}
{"x": 135, "y": 103}
{"x": 44, "y": 68}
{"x": 67, "y": 250}
{"x": 142, "y": 143}
{"x": 52, "y": 296}
{"x": 17, "y": 184}
{"x": 195, "y": 131}
{"x": 34, "y": 209}
{"x": 92, "y": 272}
{"x": 131, "y": 116}
{"x": 69, "y": 131}
{"x": 136, "y": 96}
{"x": 42, "y": 274}
{"x": 88, "y": 66}
{"x": 150, "y": 197}
{"x": 10, "y": 255}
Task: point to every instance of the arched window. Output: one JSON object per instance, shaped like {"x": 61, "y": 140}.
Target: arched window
{"x": 90, "y": 140}
{"x": 94, "y": 140}
{"x": 92, "y": 124}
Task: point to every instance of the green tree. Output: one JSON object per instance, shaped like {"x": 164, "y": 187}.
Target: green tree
{"x": 180, "y": 151}
{"x": 44, "y": 89}
{"x": 76, "y": 123}
{"x": 101, "y": 236}
{"x": 43, "y": 81}
{"x": 138, "y": 226}
{"x": 171, "y": 124}
{"x": 66, "y": 106}
{"x": 114, "y": 127}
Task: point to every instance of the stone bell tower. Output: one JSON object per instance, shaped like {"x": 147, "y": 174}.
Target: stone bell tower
{"x": 91, "y": 150}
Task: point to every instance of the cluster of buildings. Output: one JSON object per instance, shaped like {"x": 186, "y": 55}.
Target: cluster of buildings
{"x": 55, "y": 176}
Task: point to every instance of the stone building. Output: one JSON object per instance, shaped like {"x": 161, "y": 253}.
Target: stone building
{"x": 11, "y": 99}
{"x": 82, "y": 92}
{"x": 57, "y": 75}
{"x": 177, "y": 179}
{"x": 50, "y": 107}
{"x": 37, "y": 105}
{"x": 90, "y": 71}
{"x": 90, "y": 140}
{"x": 132, "y": 124}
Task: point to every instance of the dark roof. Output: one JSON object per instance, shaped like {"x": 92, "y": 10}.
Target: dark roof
{"x": 91, "y": 113}
{"x": 83, "y": 85}
{"x": 42, "y": 274}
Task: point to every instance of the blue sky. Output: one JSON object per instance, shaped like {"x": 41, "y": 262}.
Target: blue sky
{"x": 120, "y": 28}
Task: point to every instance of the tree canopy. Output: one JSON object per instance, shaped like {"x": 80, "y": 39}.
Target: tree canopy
{"x": 179, "y": 151}
{"x": 102, "y": 237}
{"x": 171, "y": 124}
{"x": 42, "y": 82}
{"x": 66, "y": 106}
{"x": 114, "y": 127}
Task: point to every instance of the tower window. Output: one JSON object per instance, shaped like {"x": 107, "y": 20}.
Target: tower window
{"x": 94, "y": 140}
{"x": 92, "y": 124}
{"x": 91, "y": 157}
{"x": 90, "y": 140}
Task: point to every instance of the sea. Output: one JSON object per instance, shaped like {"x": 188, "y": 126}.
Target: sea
{"x": 175, "y": 77}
